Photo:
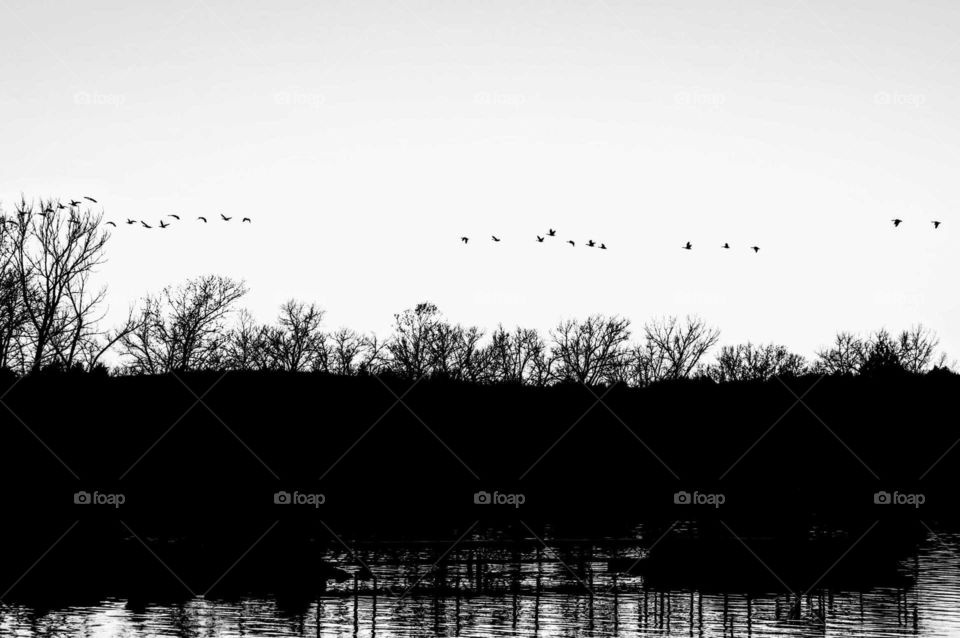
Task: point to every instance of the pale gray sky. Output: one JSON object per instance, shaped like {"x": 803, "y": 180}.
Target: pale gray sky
{"x": 365, "y": 137}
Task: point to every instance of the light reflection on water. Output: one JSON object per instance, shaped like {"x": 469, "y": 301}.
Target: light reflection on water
{"x": 530, "y": 594}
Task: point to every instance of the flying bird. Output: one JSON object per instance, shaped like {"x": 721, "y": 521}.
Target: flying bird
{"x": 225, "y": 218}
{"x": 60, "y": 206}
{"x": 591, "y": 243}
{"x": 725, "y": 245}
{"x": 176, "y": 217}
{"x": 90, "y": 199}
{"x": 755, "y": 249}
{"x": 494, "y": 238}
{"x": 131, "y": 221}
{"x": 145, "y": 224}
{"x": 896, "y": 222}
{"x": 552, "y": 232}
{"x": 74, "y": 203}
{"x": 246, "y": 219}
{"x": 203, "y": 218}
{"x": 603, "y": 246}
{"x": 570, "y": 241}
{"x": 464, "y": 239}
{"x": 539, "y": 239}
{"x": 111, "y": 224}
{"x": 162, "y": 224}
{"x": 688, "y": 246}
{"x": 935, "y": 224}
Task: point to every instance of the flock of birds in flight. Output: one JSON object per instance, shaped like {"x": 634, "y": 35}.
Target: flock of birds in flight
{"x": 688, "y": 246}
{"x": 73, "y": 204}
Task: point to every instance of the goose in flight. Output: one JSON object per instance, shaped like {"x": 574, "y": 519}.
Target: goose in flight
{"x": 145, "y": 224}
{"x": 90, "y": 199}
{"x": 755, "y": 249}
{"x": 494, "y": 238}
{"x": 539, "y": 239}
{"x": 203, "y": 219}
{"x": 464, "y": 239}
{"x": 688, "y": 246}
{"x": 131, "y": 221}
{"x": 162, "y": 224}
{"x": 60, "y": 206}
{"x": 111, "y": 224}
{"x": 725, "y": 245}
{"x": 552, "y": 233}
{"x": 225, "y": 218}
{"x": 603, "y": 246}
{"x": 896, "y": 222}
{"x": 246, "y": 220}
{"x": 176, "y": 217}
{"x": 74, "y": 203}
{"x": 591, "y": 243}
{"x": 936, "y": 224}
{"x": 570, "y": 241}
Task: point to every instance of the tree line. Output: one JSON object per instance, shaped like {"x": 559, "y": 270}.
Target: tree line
{"x": 51, "y": 317}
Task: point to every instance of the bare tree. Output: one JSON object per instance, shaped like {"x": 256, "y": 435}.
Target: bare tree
{"x": 244, "y": 347}
{"x": 845, "y": 356}
{"x": 411, "y": 346}
{"x": 517, "y": 357}
{"x": 54, "y": 257}
{"x": 296, "y": 342}
{"x": 750, "y": 362}
{"x": 917, "y": 349}
{"x": 591, "y": 351}
{"x": 346, "y": 351}
{"x": 184, "y": 327}
{"x": 674, "y": 349}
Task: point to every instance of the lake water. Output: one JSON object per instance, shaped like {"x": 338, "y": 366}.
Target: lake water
{"x": 565, "y": 587}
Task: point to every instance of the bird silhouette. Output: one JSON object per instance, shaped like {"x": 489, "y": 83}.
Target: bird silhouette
{"x": 90, "y": 199}
{"x": 48, "y": 209}
{"x": 725, "y": 245}
{"x": 111, "y": 224}
{"x": 464, "y": 239}
{"x": 935, "y": 224}
{"x": 603, "y": 246}
{"x": 570, "y": 241}
{"x": 163, "y": 224}
{"x": 225, "y": 218}
{"x": 539, "y": 239}
{"x": 203, "y": 218}
{"x": 755, "y": 249}
{"x": 494, "y": 238}
{"x": 60, "y": 206}
{"x": 131, "y": 221}
{"x": 552, "y": 233}
{"x": 176, "y": 217}
{"x": 688, "y": 246}
{"x": 74, "y": 203}
{"x": 145, "y": 224}
{"x": 246, "y": 219}
{"x": 896, "y": 222}
{"x": 591, "y": 243}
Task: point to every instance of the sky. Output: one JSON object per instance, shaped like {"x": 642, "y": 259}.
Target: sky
{"x": 364, "y": 138}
